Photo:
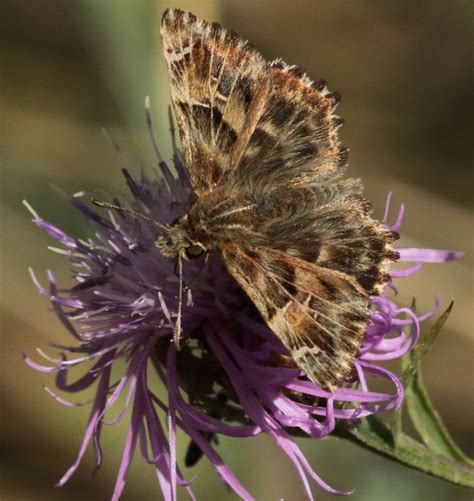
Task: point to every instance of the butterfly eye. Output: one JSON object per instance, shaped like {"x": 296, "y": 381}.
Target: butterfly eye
{"x": 194, "y": 251}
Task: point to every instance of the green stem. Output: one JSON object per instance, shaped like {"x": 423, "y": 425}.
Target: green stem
{"x": 372, "y": 434}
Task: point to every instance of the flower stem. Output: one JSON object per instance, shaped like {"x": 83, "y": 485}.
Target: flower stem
{"x": 372, "y": 434}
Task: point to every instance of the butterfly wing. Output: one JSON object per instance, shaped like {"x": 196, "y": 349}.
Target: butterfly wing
{"x": 309, "y": 258}
{"x": 219, "y": 85}
{"x": 319, "y": 314}
{"x": 295, "y": 140}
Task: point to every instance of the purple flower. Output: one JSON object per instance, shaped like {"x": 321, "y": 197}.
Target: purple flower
{"x": 231, "y": 376}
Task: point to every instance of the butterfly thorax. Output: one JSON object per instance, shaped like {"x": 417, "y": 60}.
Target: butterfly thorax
{"x": 211, "y": 222}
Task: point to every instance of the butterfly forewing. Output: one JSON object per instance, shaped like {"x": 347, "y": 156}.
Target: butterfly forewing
{"x": 295, "y": 140}
{"x": 219, "y": 86}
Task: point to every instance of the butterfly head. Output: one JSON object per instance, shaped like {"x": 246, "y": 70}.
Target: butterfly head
{"x": 178, "y": 241}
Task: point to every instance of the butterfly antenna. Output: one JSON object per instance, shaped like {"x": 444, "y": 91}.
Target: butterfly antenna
{"x": 108, "y": 205}
{"x": 177, "y": 326}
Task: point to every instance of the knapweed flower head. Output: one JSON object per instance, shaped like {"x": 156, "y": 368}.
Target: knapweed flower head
{"x": 232, "y": 376}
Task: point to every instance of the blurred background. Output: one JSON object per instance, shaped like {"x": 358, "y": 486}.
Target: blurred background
{"x": 68, "y": 68}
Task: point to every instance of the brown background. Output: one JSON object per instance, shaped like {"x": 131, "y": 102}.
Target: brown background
{"x": 69, "y": 67}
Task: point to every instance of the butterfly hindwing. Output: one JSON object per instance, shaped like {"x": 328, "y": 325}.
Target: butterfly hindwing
{"x": 219, "y": 86}
{"x": 330, "y": 226}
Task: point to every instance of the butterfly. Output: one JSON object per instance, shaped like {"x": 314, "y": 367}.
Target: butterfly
{"x": 260, "y": 146}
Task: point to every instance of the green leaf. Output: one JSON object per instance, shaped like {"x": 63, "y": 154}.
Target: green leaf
{"x": 411, "y": 361}
{"x": 426, "y": 420}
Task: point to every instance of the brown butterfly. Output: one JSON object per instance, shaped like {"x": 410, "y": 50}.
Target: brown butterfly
{"x": 264, "y": 161}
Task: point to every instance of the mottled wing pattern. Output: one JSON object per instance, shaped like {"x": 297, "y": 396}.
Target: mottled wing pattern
{"x": 219, "y": 86}
{"x": 263, "y": 157}
{"x": 309, "y": 258}
{"x": 329, "y": 225}
{"x": 295, "y": 140}
{"x": 319, "y": 314}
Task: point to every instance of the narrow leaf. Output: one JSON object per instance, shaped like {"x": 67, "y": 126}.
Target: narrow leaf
{"x": 428, "y": 422}
{"x": 411, "y": 361}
